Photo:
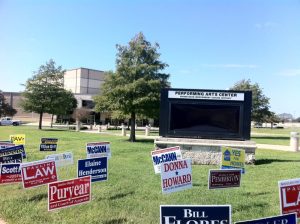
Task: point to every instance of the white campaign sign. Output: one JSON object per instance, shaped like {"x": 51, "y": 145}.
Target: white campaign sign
{"x": 176, "y": 176}
{"x": 62, "y": 159}
{"x": 98, "y": 148}
{"x": 165, "y": 155}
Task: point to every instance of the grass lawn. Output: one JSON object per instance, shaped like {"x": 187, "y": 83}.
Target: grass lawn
{"x": 272, "y": 136}
{"x": 276, "y": 131}
{"x": 132, "y": 193}
{"x": 271, "y": 140}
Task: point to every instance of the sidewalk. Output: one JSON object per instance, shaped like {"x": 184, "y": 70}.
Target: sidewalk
{"x": 276, "y": 147}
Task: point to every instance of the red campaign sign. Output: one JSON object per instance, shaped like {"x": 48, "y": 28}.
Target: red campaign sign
{"x": 67, "y": 193}
{"x": 219, "y": 179}
{"x": 38, "y": 173}
{"x": 289, "y": 192}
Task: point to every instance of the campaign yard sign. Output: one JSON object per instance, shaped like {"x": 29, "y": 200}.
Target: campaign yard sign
{"x": 176, "y": 176}
{"x": 48, "y": 144}
{"x": 38, "y": 173}
{"x": 62, "y": 159}
{"x": 195, "y": 214}
{"x": 49, "y": 140}
{"x": 101, "y": 149}
{"x": 224, "y": 179}
{"x": 233, "y": 158}
{"x": 281, "y": 219}
{"x": 96, "y": 168}
{"x": 68, "y": 193}
{"x": 289, "y": 193}
{"x": 13, "y": 150}
{"x": 10, "y": 173}
{"x": 165, "y": 155}
{"x": 12, "y": 154}
{"x": 4, "y": 145}
{"x": 17, "y": 139}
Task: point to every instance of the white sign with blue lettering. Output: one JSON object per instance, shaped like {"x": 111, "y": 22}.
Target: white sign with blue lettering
{"x": 165, "y": 155}
{"x": 99, "y": 148}
{"x": 62, "y": 159}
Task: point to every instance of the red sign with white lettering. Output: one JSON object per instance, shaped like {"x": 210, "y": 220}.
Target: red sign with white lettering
{"x": 67, "y": 193}
{"x": 289, "y": 192}
{"x": 38, "y": 173}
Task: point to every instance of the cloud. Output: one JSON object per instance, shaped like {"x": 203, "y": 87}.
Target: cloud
{"x": 290, "y": 72}
{"x": 266, "y": 25}
{"x": 230, "y": 65}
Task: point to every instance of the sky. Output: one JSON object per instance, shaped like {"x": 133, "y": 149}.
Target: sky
{"x": 208, "y": 44}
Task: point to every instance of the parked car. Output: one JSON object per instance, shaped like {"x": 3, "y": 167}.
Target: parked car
{"x": 9, "y": 121}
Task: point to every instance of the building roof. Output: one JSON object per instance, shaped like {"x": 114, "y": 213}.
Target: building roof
{"x": 84, "y": 68}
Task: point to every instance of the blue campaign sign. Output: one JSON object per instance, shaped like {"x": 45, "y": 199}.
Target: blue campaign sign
{"x": 49, "y": 140}
{"x": 13, "y": 150}
{"x": 283, "y": 219}
{"x": 195, "y": 214}
{"x": 95, "y": 167}
{"x": 48, "y": 147}
{"x": 11, "y": 158}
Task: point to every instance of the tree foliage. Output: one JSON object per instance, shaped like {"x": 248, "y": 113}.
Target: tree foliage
{"x": 44, "y": 92}
{"x": 5, "y": 108}
{"x": 81, "y": 113}
{"x": 272, "y": 118}
{"x": 260, "y": 103}
{"x": 134, "y": 88}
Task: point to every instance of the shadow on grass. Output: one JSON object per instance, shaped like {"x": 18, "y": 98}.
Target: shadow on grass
{"x": 198, "y": 185}
{"x": 269, "y": 161}
{"x": 38, "y": 197}
{"x": 244, "y": 207}
{"x": 141, "y": 140}
{"x": 249, "y": 194}
{"x": 55, "y": 129}
{"x": 271, "y": 137}
{"x": 121, "y": 195}
{"x": 116, "y": 221}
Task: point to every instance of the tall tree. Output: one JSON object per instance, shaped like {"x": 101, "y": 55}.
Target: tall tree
{"x": 272, "y": 118}
{"x": 62, "y": 103}
{"x": 260, "y": 103}
{"x": 42, "y": 90}
{"x": 5, "y": 108}
{"x": 135, "y": 86}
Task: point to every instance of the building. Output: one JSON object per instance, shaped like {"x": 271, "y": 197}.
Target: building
{"x": 84, "y": 83}
{"x": 14, "y": 99}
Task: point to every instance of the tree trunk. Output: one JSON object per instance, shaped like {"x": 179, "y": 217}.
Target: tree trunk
{"x": 132, "y": 128}
{"x": 51, "y": 120}
{"x": 41, "y": 120}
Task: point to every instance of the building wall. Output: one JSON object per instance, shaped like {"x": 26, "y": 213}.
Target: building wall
{"x": 84, "y": 84}
{"x": 14, "y": 99}
{"x": 83, "y": 81}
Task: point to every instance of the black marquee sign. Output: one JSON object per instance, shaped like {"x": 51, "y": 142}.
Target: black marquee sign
{"x": 212, "y": 114}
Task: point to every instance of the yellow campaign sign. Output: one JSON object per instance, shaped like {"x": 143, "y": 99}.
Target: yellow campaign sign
{"x": 232, "y": 157}
{"x": 17, "y": 139}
